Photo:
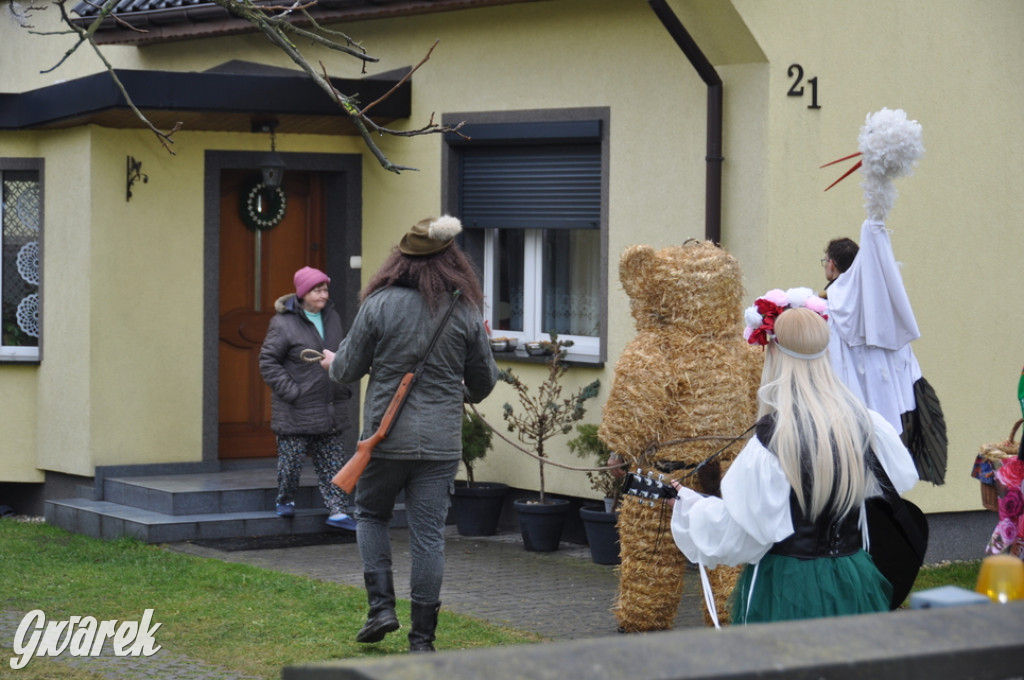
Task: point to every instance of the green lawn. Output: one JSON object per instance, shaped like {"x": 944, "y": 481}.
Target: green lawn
{"x": 251, "y": 620}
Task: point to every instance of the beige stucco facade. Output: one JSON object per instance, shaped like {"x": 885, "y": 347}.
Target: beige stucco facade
{"x": 122, "y": 375}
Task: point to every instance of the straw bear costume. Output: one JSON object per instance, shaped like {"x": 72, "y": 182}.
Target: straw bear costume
{"x": 684, "y": 386}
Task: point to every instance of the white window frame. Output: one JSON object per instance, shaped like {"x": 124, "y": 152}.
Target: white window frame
{"x": 533, "y": 296}
{"x": 531, "y": 128}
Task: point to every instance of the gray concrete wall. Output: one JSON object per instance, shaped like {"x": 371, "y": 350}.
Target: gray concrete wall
{"x": 980, "y": 642}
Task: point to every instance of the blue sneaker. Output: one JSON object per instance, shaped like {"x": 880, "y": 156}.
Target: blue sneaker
{"x": 340, "y": 520}
{"x": 286, "y": 510}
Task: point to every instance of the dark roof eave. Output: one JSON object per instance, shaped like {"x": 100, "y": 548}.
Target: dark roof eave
{"x": 234, "y": 99}
{"x": 209, "y": 20}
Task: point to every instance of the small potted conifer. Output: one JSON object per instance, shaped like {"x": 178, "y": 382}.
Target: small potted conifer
{"x": 541, "y": 415}
{"x": 476, "y": 505}
{"x": 599, "y": 522}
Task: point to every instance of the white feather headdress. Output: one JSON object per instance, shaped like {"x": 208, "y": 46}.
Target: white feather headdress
{"x": 890, "y": 146}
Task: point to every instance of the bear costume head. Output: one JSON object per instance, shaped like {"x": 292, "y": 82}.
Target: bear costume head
{"x": 696, "y": 287}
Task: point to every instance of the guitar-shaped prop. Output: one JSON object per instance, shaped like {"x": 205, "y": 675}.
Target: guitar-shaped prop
{"x": 650, "y": 487}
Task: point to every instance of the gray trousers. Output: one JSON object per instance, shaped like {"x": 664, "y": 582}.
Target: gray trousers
{"x": 428, "y": 486}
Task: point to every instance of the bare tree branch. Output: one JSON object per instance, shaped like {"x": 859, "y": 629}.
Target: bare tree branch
{"x": 88, "y": 36}
{"x": 403, "y": 80}
{"x": 277, "y": 23}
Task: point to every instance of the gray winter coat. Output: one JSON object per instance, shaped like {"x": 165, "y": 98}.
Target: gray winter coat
{"x": 388, "y": 337}
{"x": 304, "y": 400}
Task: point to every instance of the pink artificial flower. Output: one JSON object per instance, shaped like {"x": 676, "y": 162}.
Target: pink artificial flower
{"x": 1011, "y": 473}
{"x": 1007, "y": 530}
{"x": 1011, "y": 506}
{"x": 817, "y": 305}
{"x": 777, "y": 296}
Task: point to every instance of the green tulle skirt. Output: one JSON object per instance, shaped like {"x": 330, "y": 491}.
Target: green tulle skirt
{"x": 788, "y": 588}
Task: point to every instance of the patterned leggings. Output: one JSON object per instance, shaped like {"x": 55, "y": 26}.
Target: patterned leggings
{"x": 328, "y": 454}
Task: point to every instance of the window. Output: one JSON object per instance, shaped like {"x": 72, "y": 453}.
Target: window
{"x": 21, "y": 207}
{"x": 531, "y": 197}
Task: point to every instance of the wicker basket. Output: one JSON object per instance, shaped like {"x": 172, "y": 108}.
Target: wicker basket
{"x": 996, "y": 454}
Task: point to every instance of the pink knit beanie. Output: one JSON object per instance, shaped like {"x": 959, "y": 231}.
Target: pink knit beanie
{"x": 308, "y": 278}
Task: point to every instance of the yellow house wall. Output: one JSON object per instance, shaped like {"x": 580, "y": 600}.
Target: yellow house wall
{"x": 956, "y": 224}
{"x": 18, "y": 405}
{"x": 951, "y": 65}
{"x": 64, "y": 403}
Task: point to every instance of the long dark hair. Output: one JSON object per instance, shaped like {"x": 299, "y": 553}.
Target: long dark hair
{"x": 434, "y": 276}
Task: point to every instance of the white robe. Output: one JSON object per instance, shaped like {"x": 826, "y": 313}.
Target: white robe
{"x": 753, "y": 513}
{"x": 872, "y": 325}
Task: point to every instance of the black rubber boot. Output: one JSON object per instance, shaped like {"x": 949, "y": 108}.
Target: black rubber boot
{"x": 424, "y": 623}
{"x": 380, "y": 593}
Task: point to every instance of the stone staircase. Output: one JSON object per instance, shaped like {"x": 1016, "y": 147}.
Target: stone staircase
{"x": 169, "y": 507}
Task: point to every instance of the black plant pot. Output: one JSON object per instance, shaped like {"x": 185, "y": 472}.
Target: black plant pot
{"x": 541, "y": 523}
{"x": 602, "y": 534}
{"x": 477, "y": 508}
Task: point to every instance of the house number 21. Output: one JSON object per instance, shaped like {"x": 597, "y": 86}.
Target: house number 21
{"x": 796, "y": 72}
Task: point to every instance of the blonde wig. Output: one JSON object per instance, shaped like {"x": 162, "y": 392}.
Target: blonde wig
{"x": 821, "y": 429}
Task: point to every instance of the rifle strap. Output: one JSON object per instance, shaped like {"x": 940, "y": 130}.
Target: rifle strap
{"x": 419, "y": 366}
{"x": 437, "y": 333}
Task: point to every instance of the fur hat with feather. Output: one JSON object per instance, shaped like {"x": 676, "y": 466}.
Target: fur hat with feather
{"x": 430, "y": 235}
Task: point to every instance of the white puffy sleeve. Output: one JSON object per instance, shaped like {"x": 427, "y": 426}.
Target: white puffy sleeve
{"x": 752, "y": 515}
{"x": 893, "y": 455}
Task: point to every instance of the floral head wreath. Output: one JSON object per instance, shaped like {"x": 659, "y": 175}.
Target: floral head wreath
{"x": 760, "y": 317}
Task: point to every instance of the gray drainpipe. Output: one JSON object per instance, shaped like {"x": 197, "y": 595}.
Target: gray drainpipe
{"x": 713, "y": 182}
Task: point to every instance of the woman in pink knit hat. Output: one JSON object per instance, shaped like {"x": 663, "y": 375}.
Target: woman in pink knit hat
{"x": 309, "y": 413}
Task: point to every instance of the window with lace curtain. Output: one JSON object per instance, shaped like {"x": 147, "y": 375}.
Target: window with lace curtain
{"x": 21, "y": 205}
{"x": 531, "y": 197}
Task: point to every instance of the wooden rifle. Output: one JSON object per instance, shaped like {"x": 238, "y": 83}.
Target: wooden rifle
{"x": 350, "y": 473}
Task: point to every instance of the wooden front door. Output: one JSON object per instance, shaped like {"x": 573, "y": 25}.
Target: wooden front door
{"x": 256, "y": 268}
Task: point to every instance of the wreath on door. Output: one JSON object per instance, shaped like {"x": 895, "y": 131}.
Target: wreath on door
{"x": 262, "y": 208}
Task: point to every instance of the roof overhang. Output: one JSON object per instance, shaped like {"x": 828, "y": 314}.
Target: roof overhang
{"x": 210, "y": 100}
{"x": 158, "y": 21}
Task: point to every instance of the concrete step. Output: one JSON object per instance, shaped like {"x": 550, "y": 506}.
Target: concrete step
{"x": 209, "y": 492}
{"x": 167, "y": 508}
{"x": 103, "y": 519}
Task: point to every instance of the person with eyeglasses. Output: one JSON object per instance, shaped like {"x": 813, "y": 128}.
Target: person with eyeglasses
{"x": 839, "y": 254}
{"x": 871, "y": 351}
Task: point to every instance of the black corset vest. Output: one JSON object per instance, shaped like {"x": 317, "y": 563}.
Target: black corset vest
{"x": 824, "y": 537}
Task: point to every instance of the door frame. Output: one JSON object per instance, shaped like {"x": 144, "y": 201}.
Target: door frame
{"x": 342, "y": 182}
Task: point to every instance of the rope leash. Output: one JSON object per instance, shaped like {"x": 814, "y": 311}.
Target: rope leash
{"x": 311, "y": 356}
{"x": 315, "y": 356}
{"x": 533, "y": 455}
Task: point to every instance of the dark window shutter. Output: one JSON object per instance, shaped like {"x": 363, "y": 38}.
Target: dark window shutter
{"x": 531, "y": 187}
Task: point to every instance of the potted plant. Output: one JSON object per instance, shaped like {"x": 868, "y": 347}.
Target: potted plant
{"x": 544, "y": 414}
{"x": 588, "y": 445}
{"x": 476, "y": 505}
{"x": 600, "y": 523}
